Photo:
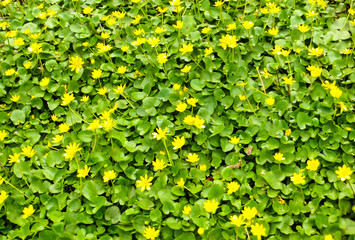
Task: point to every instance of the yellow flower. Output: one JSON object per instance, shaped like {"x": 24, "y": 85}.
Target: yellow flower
{"x": 10, "y": 72}
{"x": 288, "y": 132}
{"x": 277, "y": 50}
{"x": 175, "y": 2}
{"x": 298, "y": 178}
{"x": 352, "y": 21}
{"x": 54, "y": 117}
{"x": 315, "y": 51}
{"x": 19, "y": 42}
{"x": 119, "y": 14}
{"x": 150, "y": 233}
{"x": 35, "y": 48}
{"x": 162, "y": 58}
{"x": 144, "y": 183}
{"x": 162, "y": 10}
{"x": 313, "y": 164}
{"x": 102, "y": 91}
{"x": 206, "y": 30}
{"x": 159, "y": 164}
{"x": 237, "y": 221}
{"x": 27, "y": 65}
{"x": 111, "y": 21}
{"x": 35, "y": 36}
{"x": 153, "y": 41}
{"x": 67, "y": 99}
{"x": 109, "y": 175}
{"x": 186, "y": 210}
{"x": 273, "y": 8}
{"x": 76, "y": 63}
{"x": 210, "y": 206}
{"x": 303, "y": 28}
{"x": 186, "y": 69}
{"x": 273, "y": 31}
{"x": 218, "y": 3}
{"x": 137, "y": 19}
{"x": 83, "y": 172}
{"x": 189, "y": 120}
{"x": 3, "y": 196}
{"x": 248, "y": 25}
{"x": 231, "y": 26}
{"x": 242, "y": 97}
{"x": 4, "y": 25}
{"x": 15, "y": 98}
{"x": 160, "y": 134}
{"x": 344, "y": 173}
{"x": 87, "y": 10}
{"x": 279, "y": 157}
{"x": 97, "y": 73}
{"x": 70, "y": 150}
{"x": 228, "y": 41}
{"x": 203, "y": 167}
{"x": 42, "y": 15}
{"x": 109, "y": 124}
{"x": 288, "y": 80}
{"x": 85, "y": 98}
{"x": 192, "y": 158}
{"x": 208, "y": 51}
{"x": 11, "y": 34}
{"x": 285, "y": 53}
{"x": 249, "y": 213}
{"x": 3, "y": 134}
{"x": 44, "y": 82}
{"x": 328, "y": 85}
{"x": 200, "y": 231}
{"x": 119, "y": 89}
{"x": 179, "y": 24}
{"x": 122, "y": 69}
{"x": 125, "y": 48}
{"x": 28, "y": 151}
{"x": 233, "y": 187}
{"x": 198, "y": 122}
{"x": 181, "y": 107}
{"x": 51, "y": 13}
{"x": 94, "y": 125}
{"x": 328, "y": 237}
{"x": 192, "y": 101}
{"x": 336, "y": 92}
{"x": 266, "y": 73}
{"x": 139, "y": 31}
{"x": 160, "y": 30}
{"x": 105, "y": 35}
{"x": 57, "y": 139}
{"x": 14, "y": 158}
{"x": 102, "y": 48}
{"x": 178, "y": 142}
{"x": 28, "y": 211}
{"x": 311, "y": 14}
{"x": 347, "y": 51}
{"x": 258, "y": 230}
{"x": 270, "y": 101}
{"x": 342, "y": 107}
{"x": 64, "y": 127}
{"x": 181, "y": 182}
{"x": 234, "y": 140}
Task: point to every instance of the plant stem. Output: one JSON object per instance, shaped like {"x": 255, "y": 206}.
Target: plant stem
{"x": 167, "y": 152}
{"x": 128, "y": 101}
{"x": 14, "y": 187}
{"x": 261, "y": 80}
{"x": 246, "y": 229}
{"x": 351, "y": 187}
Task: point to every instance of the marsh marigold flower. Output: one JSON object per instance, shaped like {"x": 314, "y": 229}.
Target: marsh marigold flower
{"x": 28, "y": 151}
{"x": 233, "y": 187}
{"x": 186, "y": 69}
{"x": 67, "y": 99}
{"x": 344, "y": 173}
{"x": 186, "y": 48}
{"x": 234, "y": 140}
{"x": 336, "y": 92}
{"x": 273, "y": 31}
{"x": 288, "y": 80}
{"x": 110, "y": 175}
{"x": 44, "y": 82}
{"x": 248, "y": 25}
{"x": 150, "y": 233}
{"x": 160, "y": 134}
{"x": 179, "y": 24}
{"x": 3, "y": 134}
{"x": 298, "y": 178}
{"x": 178, "y": 142}
{"x": 119, "y": 89}
{"x": 279, "y": 157}
{"x": 83, "y": 172}
{"x": 186, "y": 210}
{"x": 15, "y": 98}
{"x": 192, "y": 101}
{"x": 303, "y": 28}
{"x": 210, "y": 206}
{"x": 228, "y": 41}
{"x": 258, "y": 230}
{"x": 249, "y": 213}
{"x": 288, "y": 132}
{"x": 159, "y": 164}
{"x": 237, "y": 221}
{"x": 70, "y": 150}
{"x": 270, "y": 101}
{"x": 76, "y": 63}
{"x": 64, "y": 127}
{"x": 315, "y": 51}
{"x": 192, "y": 158}
{"x": 208, "y": 51}
{"x": 277, "y": 50}
{"x": 14, "y": 158}
{"x": 144, "y": 183}
{"x": 162, "y": 58}
{"x": 3, "y": 196}
{"x": 28, "y": 211}
{"x": 181, "y": 107}
{"x": 96, "y": 73}
{"x": 313, "y": 164}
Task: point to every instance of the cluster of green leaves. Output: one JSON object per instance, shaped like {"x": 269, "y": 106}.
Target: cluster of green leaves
{"x": 231, "y": 85}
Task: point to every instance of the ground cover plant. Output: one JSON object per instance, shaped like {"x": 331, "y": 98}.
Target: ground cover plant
{"x": 177, "y": 119}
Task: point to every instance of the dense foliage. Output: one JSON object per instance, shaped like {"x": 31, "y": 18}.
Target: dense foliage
{"x": 151, "y": 119}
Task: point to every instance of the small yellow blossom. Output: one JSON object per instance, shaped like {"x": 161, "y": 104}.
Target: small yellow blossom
{"x": 186, "y": 69}
{"x": 192, "y": 158}
{"x": 288, "y": 132}
{"x": 273, "y": 31}
{"x": 258, "y": 230}
{"x": 186, "y": 210}
{"x": 162, "y": 58}
{"x": 64, "y": 127}
{"x": 3, "y": 134}
{"x": 298, "y": 178}
{"x": 270, "y": 101}
{"x": 28, "y": 211}
{"x": 15, "y": 98}
{"x": 87, "y": 10}
{"x": 110, "y": 175}
{"x": 57, "y": 139}
{"x": 159, "y": 164}
{"x": 237, "y": 221}
{"x": 249, "y": 213}
{"x": 208, "y": 51}
{"x": 234, "y": 140}
{"x": 67, "y": 99}
{"x": 122, "y": 69}
{"x": 210, "y": 206}
{"x": 315, "y": 51}
{"x": 76, "y": 63}
{"x": 44, "y": 82}
{"x": 344, "y": 173}
{"x": 3, "y": 196}
{"x": 181, "y": 182}
{"x": 14, "y": 158}
{"x": 28, "y": 151}
{"x": 313, "y": 164}
{"x": 247, "y": 24}
{"x": 178, "y": 142}
{"x": 70, "y": 150}
{"x": 144, "y": 183}
{"x": 231, "y": 27}
{"x": 179, "y": 24}
{"x": 303, "y": 28}
{"x": 233, "y": 187}
{"x": 82, "y": 173}
{"x": 206, "y": 30}
{"x": 150, "y": 232}
{"x": 288, "y": 80}
{"x": 279, "y": 157}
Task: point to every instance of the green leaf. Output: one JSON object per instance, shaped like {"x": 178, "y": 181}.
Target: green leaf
{"x": 303, "y": 119}
{"x": 18, "y": 116}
